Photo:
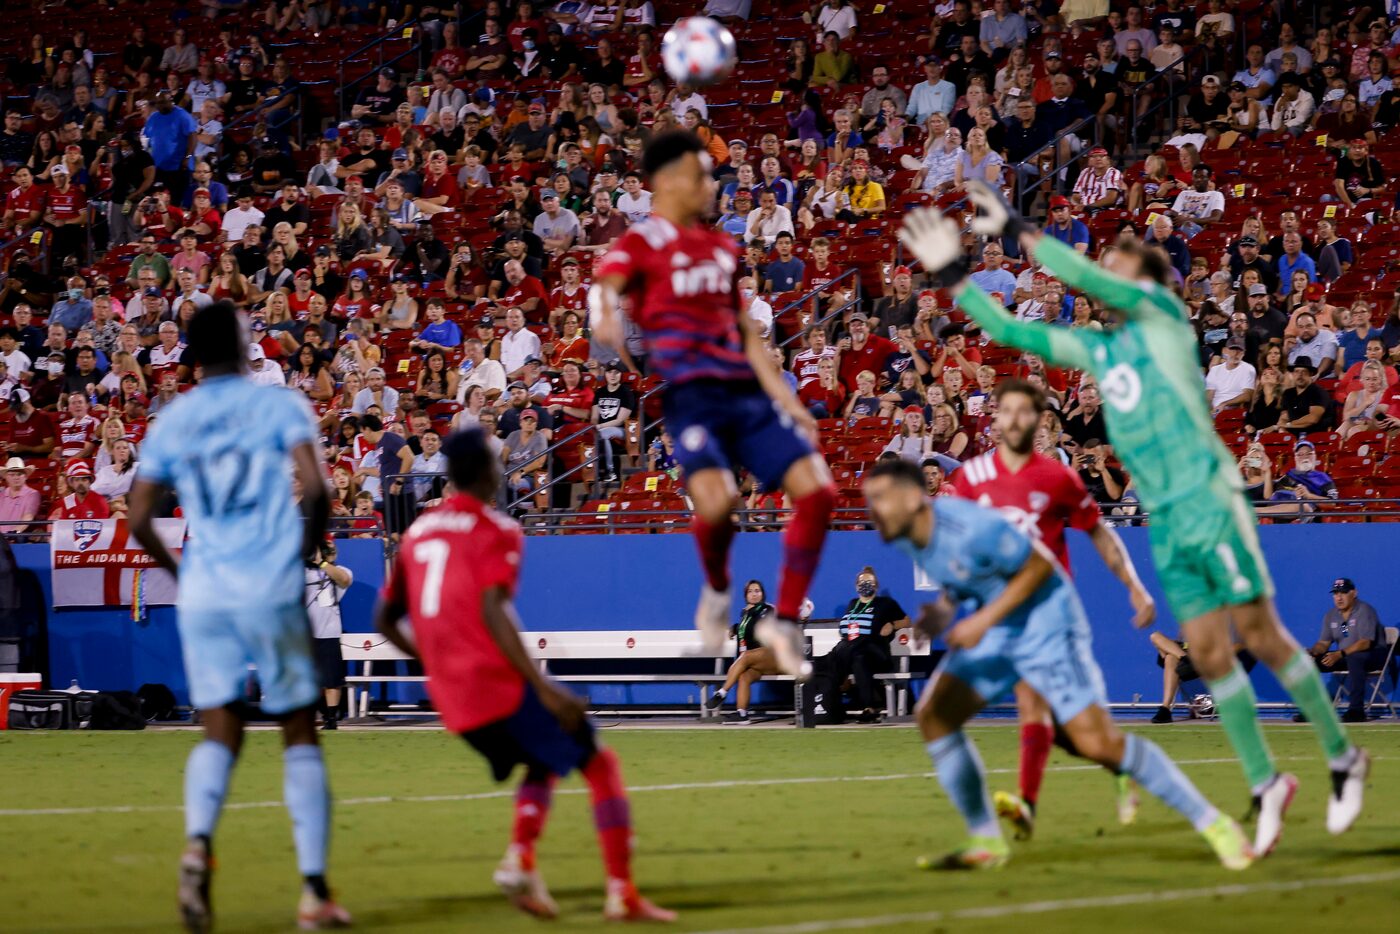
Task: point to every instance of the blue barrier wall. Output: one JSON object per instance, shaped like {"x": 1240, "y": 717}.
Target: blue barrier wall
{"x": 650, "y": 582}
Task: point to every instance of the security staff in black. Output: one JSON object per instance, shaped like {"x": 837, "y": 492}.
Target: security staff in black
{"x": 868, "y": 626}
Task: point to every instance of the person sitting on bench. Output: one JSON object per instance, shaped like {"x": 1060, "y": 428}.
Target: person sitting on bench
{"x": 867, "y": 627}
{"x": 754, "y": 660}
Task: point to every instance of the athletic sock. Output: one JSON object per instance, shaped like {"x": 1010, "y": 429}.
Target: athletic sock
{"x": 1154, "y": 770}
{"x": 1300, "y": 678}
{"x": 308, "y": 797}
{"x": 960, "y": 772}
{"x": 721, "y": 693}
{"x": 713, "y": 539}
{"x": 802, "y": 548}
{"x": 1036, "y": 742}
{"x": 612, "y": 816}
{"x": 531, "y": 811}
{"x": 207, "y": 772}
{"x": 1234, "y": 701}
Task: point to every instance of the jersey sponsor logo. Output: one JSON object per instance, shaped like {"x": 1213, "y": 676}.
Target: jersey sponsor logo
{"x": 1122, "y": 387}
{"x": 704, "y": 278}
{"x": 694, "y": 438}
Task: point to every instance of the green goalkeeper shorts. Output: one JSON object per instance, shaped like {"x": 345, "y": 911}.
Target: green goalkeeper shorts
{"x": 1207, "y": 554}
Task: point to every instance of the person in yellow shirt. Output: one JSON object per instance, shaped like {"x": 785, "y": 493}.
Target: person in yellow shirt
{"x": 832, "y": 67}
{"x": 867, "y": 195}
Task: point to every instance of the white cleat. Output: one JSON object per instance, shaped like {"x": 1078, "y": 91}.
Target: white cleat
{"x": 524, "y": 887}
{"x": 712, "y": 620}
{"x": 784, "y": 637}
{"x": 1348, "y": 788}
{"x": 1273, "y": 805}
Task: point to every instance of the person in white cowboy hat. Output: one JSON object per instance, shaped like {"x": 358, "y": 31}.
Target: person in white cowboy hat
{"x": 18, "y": 500}
{"x": 81, "y": 502}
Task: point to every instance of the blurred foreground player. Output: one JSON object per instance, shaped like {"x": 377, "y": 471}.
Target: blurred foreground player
{"x": 454, "y": 579}
{"x": 1024, "y": 623}
{"x": 1204, "y": 540}
{"x": 229, "y": 449}
{"x": 1042, "y": 497}
{"x": 725, "y": 401}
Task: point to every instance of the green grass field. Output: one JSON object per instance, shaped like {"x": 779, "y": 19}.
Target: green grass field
{"x": 738, "y": 828}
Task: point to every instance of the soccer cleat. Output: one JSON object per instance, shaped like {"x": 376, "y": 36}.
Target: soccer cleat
{"x": 524, "y": 888}
{"x": 784, "y": 637}
{"x": 1348, "y": 787}
{"x": 1163, "y": 715}
{"x": 1273, "y": 805}
{"x": 712, "y": 619}
{"x": 1017, "y": 811}
{"x": 196, "y": 866}
{"x": 320, "y": 914}
{"x": 1229, "y": 843}
{"x": 977, "y": 853}
{"x": 714, "y": 700}
{"x": 625, "y": 903}
{"x": 1128, "y": 799}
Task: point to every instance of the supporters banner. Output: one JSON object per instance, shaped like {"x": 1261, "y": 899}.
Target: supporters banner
{"x": 97, "y": 562}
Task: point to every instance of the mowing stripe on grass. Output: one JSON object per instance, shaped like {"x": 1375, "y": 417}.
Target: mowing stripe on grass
{"x": 1068, "y": 904}
{"x": 510, "y": 792}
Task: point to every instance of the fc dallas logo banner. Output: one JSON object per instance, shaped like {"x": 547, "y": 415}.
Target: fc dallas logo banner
{"x": 96, "y": 562}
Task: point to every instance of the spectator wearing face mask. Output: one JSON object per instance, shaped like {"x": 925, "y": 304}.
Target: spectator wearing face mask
{"x": 866, "y": 628}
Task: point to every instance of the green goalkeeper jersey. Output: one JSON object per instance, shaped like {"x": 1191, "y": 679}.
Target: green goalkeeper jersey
{"x": 1147, "y": 370}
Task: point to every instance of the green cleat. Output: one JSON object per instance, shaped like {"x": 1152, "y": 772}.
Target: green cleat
{"x": 1128, "y": 800}
{"x": 977, "y": 853}
{"x": 1229, "y": 843}
{"x": 1017, "y": 812}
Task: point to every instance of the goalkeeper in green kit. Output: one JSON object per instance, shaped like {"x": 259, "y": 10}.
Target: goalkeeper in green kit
{"x": 1203, "y": 534}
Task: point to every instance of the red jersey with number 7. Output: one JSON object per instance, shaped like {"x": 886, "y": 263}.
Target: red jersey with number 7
{"x": 1042, "y": 499}
{"x": 681, "y": 284}
{"x": 448, "y": 558}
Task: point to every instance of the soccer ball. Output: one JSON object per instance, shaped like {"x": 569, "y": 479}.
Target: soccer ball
{"x": 698, "y": 51}
{"x": 1202, "y": 706}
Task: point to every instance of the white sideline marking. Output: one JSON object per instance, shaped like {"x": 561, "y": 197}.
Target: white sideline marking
{"x": 510, "y": 793}
{"x": 1068, "y": 904}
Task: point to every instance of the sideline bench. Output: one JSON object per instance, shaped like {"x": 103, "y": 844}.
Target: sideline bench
{"x": 365, "y": 649}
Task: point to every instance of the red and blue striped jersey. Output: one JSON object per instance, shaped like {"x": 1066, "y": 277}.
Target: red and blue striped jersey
{"x": 680, "y": 282}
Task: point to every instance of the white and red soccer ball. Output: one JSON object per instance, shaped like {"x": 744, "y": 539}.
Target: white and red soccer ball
{"x": 698, "y": 51}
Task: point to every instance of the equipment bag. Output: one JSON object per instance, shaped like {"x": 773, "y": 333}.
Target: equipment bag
{"x": 47, "y": 710}
{"x": 116, "y": 710}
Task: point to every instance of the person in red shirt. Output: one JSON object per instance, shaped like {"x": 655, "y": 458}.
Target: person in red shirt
{"x": 30, "y": 431}
{"x": 569, "y": 295}
{"x": 77, "y": 434}
{"x": 25, "y": 203}
{"x": 82, "y": 503}
{"x": 525, "y": 292}
{"x": 862, "y": 351}
{"x": 65, "y": 213}
{"x": 819, "y": 269}
{"x": 1042, "y": 497}
{"x": 454, "y": 579}
{"x": 440, "y": 192}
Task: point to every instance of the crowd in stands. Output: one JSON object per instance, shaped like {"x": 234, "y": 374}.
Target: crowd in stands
{"x": 424, "y": 262}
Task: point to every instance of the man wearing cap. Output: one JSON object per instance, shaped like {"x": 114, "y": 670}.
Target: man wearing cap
{"x": 934, "y": 94}
{"x": 18, "y": 500}
{"x": 480, "y": 370}
{"x": 557, "y": 226}
{"x": 376, "y": 103}
{"x": 82, "y": 503}
{"x": 1065, "y": 227}
{"x": 1101, "y": 186}
{"x": 1247, "y": 257}
{"x": 1316, "y": 344}
{"x": 376, "y": 392}
{"x": 613, "y": 404}
{"x": 66, "y": 216}
{"x": 1304, "y": 407}
{"x": 1304, "y": 483}
{"x": 260, "y": 370}
{"x": 897, "y": 309}
{"x": 1230, "y": 383}
{"x": 31, "y": 431}
{"x": 1355, "y": 629}
{"x": 533, "y": 134}
{"x": 862, "y": 350}
{"x": 410, "y": 183}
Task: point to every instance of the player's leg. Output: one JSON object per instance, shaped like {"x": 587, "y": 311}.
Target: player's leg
{"x": 1264, "y": 635}
{"x": 952, "y": 698}
{"x": 516, "y": 875}
{"x": 1037, "y": 738}
{"x": 612, "y": 816}
{"x": 207, "y": 773}
{"x": 1098, "y": 739}
{"x": 714, "y": 495}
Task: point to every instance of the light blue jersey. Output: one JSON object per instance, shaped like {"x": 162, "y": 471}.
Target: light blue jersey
{"x": 1045, "y": 641}
{"x": 225, "y": 447}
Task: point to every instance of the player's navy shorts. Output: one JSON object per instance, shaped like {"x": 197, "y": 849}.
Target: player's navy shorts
{"x": 532, "y": 737}
{"x": 726, "y": 424}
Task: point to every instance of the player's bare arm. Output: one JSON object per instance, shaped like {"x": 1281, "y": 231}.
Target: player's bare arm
{"x": 315, "y": 498}
{"x": 772, "y": 380}
{"x": 1115, "y": 557}
{"x": 142, "y": 501}
{"x": 501, "y": 620}
{"x": 604, "y": 316}
{"x": 1022, "y": 585}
